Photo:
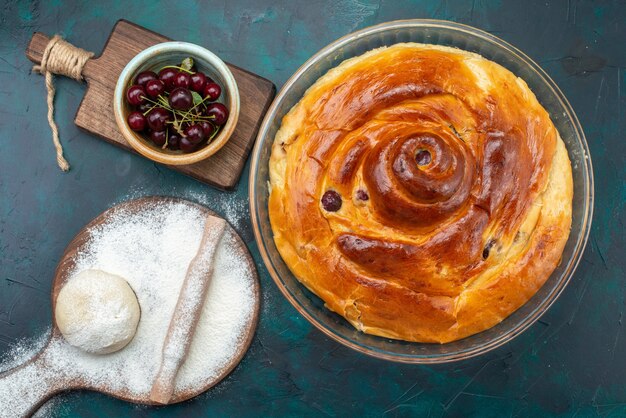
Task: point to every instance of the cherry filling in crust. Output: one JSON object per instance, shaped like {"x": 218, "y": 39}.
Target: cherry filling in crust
{"x": 423, "y": 157}
{"x": 331, "y": 201}
{"x": 362, "y": 195}
{"x": 487, "y": 248}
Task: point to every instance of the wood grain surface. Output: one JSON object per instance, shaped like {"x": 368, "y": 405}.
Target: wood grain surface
{"x": 95, "y": 113}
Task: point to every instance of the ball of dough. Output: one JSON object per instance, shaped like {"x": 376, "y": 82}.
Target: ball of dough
{"x": 97, "y": 312}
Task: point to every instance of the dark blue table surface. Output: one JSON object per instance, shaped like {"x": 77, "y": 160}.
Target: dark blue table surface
{"x": 571, "y": 363}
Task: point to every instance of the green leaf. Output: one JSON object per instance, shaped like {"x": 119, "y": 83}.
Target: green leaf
{"x": 197, "y": 99}
{"x": 187, "y": 63}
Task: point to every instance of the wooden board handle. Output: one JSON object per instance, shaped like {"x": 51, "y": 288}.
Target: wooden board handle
{"x": 25, "y": 388}
{"x": 36, "y": 47}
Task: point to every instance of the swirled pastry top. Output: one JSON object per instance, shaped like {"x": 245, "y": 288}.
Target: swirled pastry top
{"x": 421, "y": 191}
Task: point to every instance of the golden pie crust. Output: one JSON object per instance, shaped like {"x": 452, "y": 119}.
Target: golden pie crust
{"x": 431, "y": 247}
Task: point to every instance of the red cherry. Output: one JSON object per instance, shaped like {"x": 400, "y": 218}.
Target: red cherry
{"x": 173, "y": 140}
{"x": 154, "y": 88}
{"x": 167, "y": 75}
{"x": 145, "y": 76}
{"x": 195, "y": 134}
{"x": 157, "y": 119}
{"x": 212, "y": 91}
{"x": 135, "y": 95}
{"x": 182, "y": 80}
{"x": 208, "y": 128}
{"x": 158, "y": 137}
{"x": 219, "y": 113}
{"x": 144, "y": 107}
{"x": 136, "y": 121}
{"x": 181, "y": 99}
{"x": 185, "y": 125}
{"x": 198, "y": 82}
{"x": 186, "y": 145}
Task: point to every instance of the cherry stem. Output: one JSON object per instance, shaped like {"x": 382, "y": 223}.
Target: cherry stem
{"x": 178, "y": 68}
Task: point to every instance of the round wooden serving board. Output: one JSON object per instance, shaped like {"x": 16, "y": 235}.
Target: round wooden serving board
{"x": 59, "y": 382}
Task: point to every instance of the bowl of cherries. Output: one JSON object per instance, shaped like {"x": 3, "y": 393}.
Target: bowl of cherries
{"x": 176, "y": 103}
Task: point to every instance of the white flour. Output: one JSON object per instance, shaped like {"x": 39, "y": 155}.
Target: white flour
{"x": 151, "y": 250}
{"x": 230, "y": 206}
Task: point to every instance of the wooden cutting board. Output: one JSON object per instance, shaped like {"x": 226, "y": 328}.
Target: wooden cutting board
{"x": 95, "y": 113}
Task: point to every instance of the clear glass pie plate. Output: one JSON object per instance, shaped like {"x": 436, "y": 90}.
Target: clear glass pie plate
{"x": 440, "y": 33}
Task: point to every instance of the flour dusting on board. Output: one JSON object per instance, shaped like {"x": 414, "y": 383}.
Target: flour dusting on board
{"x": 230, "y": 206}
{"x": 152, "y": 249}
{"x": 23, "y": 350}
{"x": 235, "y": 209}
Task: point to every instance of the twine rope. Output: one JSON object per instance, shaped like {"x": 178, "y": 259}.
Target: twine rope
{"x": 60, "y": 57}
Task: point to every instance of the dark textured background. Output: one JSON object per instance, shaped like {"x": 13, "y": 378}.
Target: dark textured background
{"x": 572, "y": 362}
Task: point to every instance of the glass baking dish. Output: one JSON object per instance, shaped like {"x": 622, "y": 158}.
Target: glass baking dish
{"x": 440, "y": 33}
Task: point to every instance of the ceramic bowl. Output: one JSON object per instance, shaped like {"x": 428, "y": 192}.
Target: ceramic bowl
{"x": 172, "y": 53}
